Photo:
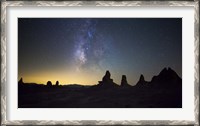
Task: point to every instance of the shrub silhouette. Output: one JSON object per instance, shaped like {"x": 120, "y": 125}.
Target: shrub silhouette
{"x": 49, "y": 83}
{"x": 57, "y": 83}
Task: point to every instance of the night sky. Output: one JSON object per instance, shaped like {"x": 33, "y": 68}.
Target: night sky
{"x": 80, "y": 50}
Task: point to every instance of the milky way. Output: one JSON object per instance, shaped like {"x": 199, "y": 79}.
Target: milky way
{"x": 90, "y": 47}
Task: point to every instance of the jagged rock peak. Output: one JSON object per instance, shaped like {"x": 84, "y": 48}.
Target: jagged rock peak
{"x": 167, "y": 77}
{"x": 167, "y": 72}
{"x": 141, "y": 80}
{"x": 106, "y": 80}
{"x": 163, "y": 71}
{"x": 21, "y": 81}
{"x": 124, "y": 81}
{"x": 106, "y": 76}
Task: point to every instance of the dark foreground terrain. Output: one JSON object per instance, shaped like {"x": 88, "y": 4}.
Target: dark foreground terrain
{"x": 91, "y": 97}
{"x": 164, "y": 91}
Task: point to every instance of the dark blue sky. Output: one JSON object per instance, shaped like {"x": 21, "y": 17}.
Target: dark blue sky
{"x": 80, "y": 50}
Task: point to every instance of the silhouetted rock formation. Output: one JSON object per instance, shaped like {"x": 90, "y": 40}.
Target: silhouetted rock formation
{"x": 166, "y": 78}
{"x": 49, "y": 83}
{"x": 124, "y": 82}
{"x": 107, "y": 81}
{"x": 20, "y": 81}
{"x": 164, "y": 91}
{"x": 57, "y": 83}
{"x": 141, "y": 81}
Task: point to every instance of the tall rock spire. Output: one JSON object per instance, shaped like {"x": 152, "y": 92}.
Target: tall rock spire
{"x": 107, "y": 81}
{"x": 141, "y": 80}
{"x": 124, "y": 82}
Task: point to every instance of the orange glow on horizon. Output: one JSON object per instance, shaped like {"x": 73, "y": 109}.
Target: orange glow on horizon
{"x": 63, "y": 78}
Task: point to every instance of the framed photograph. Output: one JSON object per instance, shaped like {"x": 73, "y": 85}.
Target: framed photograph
{"x": 99, "y": 63}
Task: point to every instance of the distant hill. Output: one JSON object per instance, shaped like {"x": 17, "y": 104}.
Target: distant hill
{"x": 76, "y": 85}
{"x": 166, "y": 78}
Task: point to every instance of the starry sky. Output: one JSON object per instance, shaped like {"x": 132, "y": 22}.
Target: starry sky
{"x": 80, "y": 50}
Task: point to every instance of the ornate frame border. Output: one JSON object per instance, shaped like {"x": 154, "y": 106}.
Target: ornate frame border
{"x": 6, "y": 4}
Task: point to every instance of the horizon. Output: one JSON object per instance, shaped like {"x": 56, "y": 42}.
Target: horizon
{"x": 89, "y": 84}
{"x": 80, "y": 50}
